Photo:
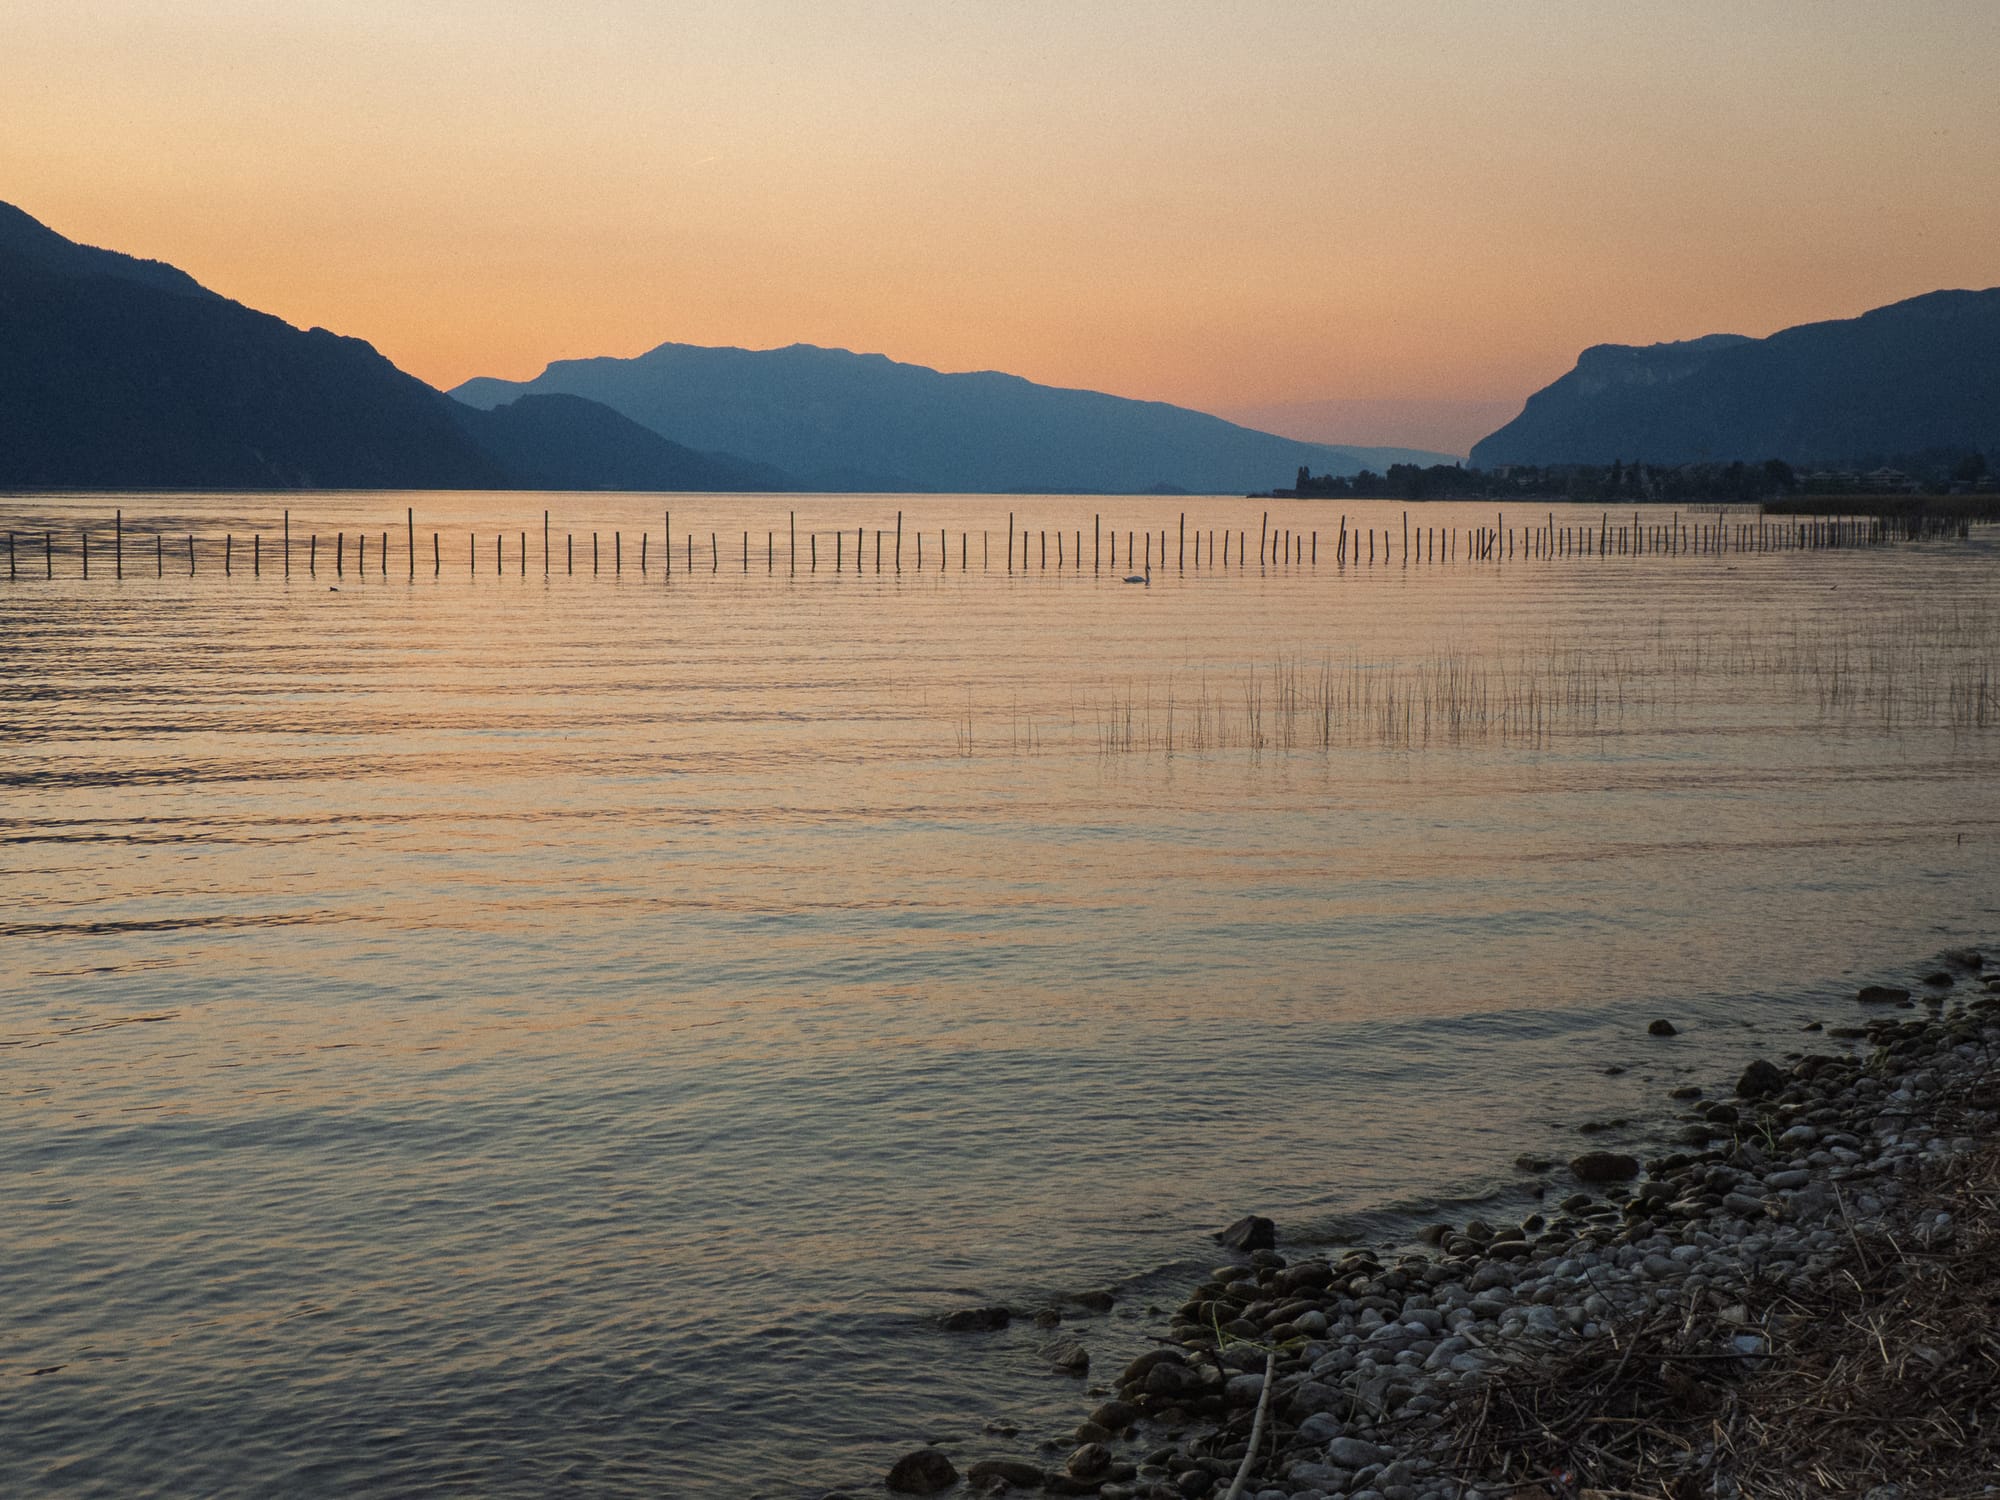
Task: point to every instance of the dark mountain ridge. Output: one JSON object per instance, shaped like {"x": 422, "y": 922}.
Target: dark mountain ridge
{"x": 841, "y": 420}
{"x": 568, "y": 443}
{"x": 120, "y": 373}
{"x": 1915, "y": 375}
{"x": 31, "y": 242}
{"x": 108, "y": 381}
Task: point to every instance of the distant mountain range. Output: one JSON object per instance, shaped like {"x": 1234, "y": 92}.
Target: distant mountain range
{"x": 1913, "y": 376}
{"x": 119, "y": 373}
{"x": 843, "y": 421}
{"x": 122, "y": 373}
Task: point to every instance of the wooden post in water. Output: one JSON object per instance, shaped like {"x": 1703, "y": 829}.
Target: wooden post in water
{"x": 190, "y": 554}
{"x": 385, "y": 554}
{"x": 1096, "y": 541}
{"x": 86, "y": 552}
{"x": 770, "y": 552}
{"x": 118, "y": 553}
{"x": 410, "y": 534}
{"x": 49, "y": 553}
{"x": 814, "y": 539}
{"x": 228, "y": 555}
{"x": 1010, "y": 541}
{"x": 1181, "y": 565}
{"x": 899, "y": 541}
{"x": 667, "y": 545}
{"x": 793, "y": 554}
{"x": 714, "y": 553}
{"x": 340, "y": 554}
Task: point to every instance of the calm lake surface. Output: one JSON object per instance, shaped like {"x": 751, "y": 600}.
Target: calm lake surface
{"x": 491, "y": 1034}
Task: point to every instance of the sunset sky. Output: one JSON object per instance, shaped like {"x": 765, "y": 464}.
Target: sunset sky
{"x": 1375, "y": 222}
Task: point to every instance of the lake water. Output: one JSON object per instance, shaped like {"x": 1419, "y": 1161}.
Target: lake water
{"x": 490, "y": 1034}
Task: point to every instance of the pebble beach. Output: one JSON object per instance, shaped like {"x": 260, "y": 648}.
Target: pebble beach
{"x": 1782, "y": 1298}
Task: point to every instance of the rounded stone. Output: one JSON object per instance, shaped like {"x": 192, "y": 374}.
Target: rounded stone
{"x": 924, "y": 1472}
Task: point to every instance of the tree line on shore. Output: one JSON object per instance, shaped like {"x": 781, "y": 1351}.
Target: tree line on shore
{"x": 1875, "y": 479}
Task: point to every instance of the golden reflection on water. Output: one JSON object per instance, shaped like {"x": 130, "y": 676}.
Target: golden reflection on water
{"x": 888, "y": 929}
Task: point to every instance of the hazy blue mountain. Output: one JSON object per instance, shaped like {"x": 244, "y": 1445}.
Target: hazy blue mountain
{"x": 1911, "y": 376}
{"x": 566, "y": 442}
{"x": 117, "y": 372}
{"x": 862, "y": 421}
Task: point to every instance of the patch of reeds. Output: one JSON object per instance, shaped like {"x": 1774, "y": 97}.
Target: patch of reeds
{"x": 1451, "y": 697}
{"x": 1924, "y": 668}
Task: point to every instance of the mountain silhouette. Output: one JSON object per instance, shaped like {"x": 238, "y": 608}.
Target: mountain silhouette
{"x": 27, "y": 241}
{"x": 121, "y": 373}
{"x": 1915, "y": 375}
{"x": 844, "y": 421}
{"x": 568, "y": 443}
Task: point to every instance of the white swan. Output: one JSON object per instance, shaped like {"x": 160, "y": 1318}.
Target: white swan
{"x": 1146, "y": 578}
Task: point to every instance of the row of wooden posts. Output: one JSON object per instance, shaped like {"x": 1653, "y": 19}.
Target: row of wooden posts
{"x": 1275, "y": 546}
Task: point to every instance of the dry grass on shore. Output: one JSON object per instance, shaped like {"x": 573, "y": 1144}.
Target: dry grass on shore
{"x": 1882, "y": 1382}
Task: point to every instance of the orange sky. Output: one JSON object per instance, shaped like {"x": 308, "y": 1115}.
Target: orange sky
{"x": 1397, "y": 217}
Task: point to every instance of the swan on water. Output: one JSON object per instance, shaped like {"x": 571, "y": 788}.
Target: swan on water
{"x": 1145, "y": 578}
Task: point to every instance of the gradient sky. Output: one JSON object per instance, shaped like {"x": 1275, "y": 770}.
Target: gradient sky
{"x": 1371, "y": 221}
